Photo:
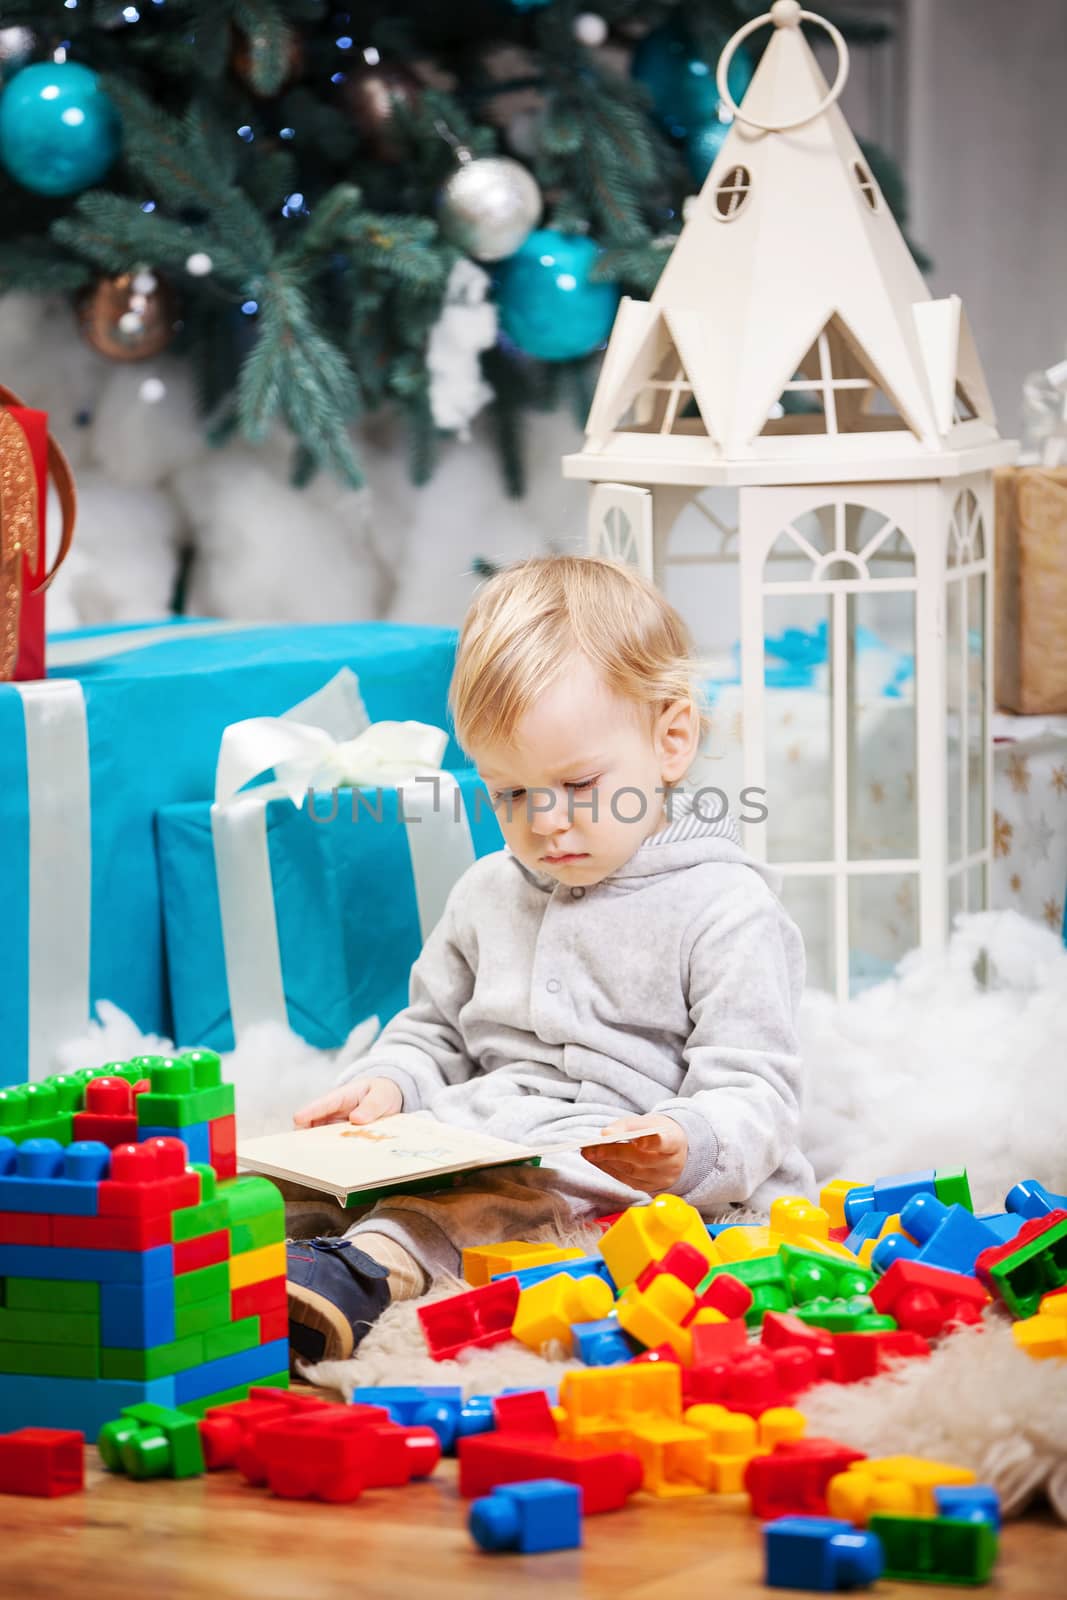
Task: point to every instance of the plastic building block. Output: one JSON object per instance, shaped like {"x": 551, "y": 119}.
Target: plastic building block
{"x": 724, "y": 1294}
{"x": 863, "y": 1355}
{"x": 673, "y": 1456}
{"x": 606, "y": 1478}
{"x": 547, "y": 1310}
{"x": 845, "y": 1316}
{"x": 716, "y": 1341}
{"x": 148, "y": 1180}
{"x": 975, "y": 1502}
{"x": 30, "y": 1400}
{"x": 645, "y": 1233}
{"x": 936, "y": 1549}
{"x": 870, "y": 1226}
{"x": 483, "y": 1262}
{"x": 1042, "y": 1336}
{"x": 603, "y": 1343}
{"x": 754, "y": 1380}
{"x": 524, "y": 1411}
{"x": 223, "y": 1426}
{"x": 947, "y": 1236}
{"x": 1031, "y": 1199}
{"x": 601, "y": 1405}
{"x": 654, "y": 1315}
{"x": 811, "y": 1276}
{"x": 1005, "y": 1224}
{"x": 255, "y": 1212}
{"x": 41, "y": 1175}
{"x": 44, "y": 1462}
{"x": 792, "y": 1479}
{"x": 953, "y": 1188}
{"x": 222, "y": 1146}
{"x": 888, "y": 1194}
{"x": 543, "y": 1514}
{"x": 734, "y": 1438}
{"x": 579, "y": 1267}
{"x": 150, "y": 1441}
{"x": 332, "y": 1452}
{"x": 248, "y": 1366}
{"x": 1032, "y": 1265}
{"x": 926, "y": 1299}
{"x": 765, "y": 1279}
{"x": 783, "y": 1329}
{"x": 819, "y": 1553}
{"x": 832, "y": 1200}
{"x": 682, "y": 1261}
{"x": 109, "y": 1115}
{"x": 477, "y": 1319}
{"x": 438, "y": 1407}
{"x": 904, "y": 1484}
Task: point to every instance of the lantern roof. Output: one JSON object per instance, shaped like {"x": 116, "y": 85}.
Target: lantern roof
{"x": 791, "y": 336}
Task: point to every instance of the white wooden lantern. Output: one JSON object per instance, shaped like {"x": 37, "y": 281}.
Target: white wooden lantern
{"x": 792, "y": 361}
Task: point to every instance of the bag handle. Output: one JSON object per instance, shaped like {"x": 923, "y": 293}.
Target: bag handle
{"x": 63, "y": 478}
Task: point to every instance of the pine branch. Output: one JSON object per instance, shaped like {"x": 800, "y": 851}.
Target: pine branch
{"x": 269, "y": 40}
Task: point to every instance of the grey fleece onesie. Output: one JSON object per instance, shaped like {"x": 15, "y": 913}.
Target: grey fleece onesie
{"x": 538, "y": 1010}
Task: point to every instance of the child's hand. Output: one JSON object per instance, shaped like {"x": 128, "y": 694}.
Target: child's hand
{"x": 363, "y": 1101}
{"x": 653, "y": 1163}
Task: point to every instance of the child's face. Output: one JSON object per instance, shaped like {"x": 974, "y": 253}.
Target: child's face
{"x": 585, "y": 776}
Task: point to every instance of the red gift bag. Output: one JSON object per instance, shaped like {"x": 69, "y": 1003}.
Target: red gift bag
{"x": 27, "y": 454}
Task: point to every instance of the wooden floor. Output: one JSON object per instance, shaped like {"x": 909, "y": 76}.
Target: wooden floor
{"x": 212, "y": 1537}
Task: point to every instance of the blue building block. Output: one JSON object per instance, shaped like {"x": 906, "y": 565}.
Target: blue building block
{"x": 889, "y": 1195}
{"x": 1031, "y": 1199}
{"x": 970, "y": 1502}
{"x": 212, "y": 1377}
{"x": 195, "y": 1138}
{"x": 821, "y": 1553}
{"x": 136, "y": 1316}
{"x": 580, "y": 1267}
{"x": 85, "y": 1403}
{"x": 1005, "y": 1224}
{"x": 435, "y": 1406}
{"x": 947, "y": 1236}
{"x": 42, "y": 1175}
{"x": 869, "y": 1226}
{"x": 544, "y": 1514}
{"x": 603, "y": 1343}
{"x": 476, "y": 1415}
{"x": 87, "y": 1266}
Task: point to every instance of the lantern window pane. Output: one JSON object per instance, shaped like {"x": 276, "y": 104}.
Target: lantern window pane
{"x": 810, "y": 902}
{"x": 883, "y": 819}
{"x": 976, "y": 715}
{"x": 799, "y": 755}
{"x": 883, "y": 924}
{"x": 834, "y": 389}
{"x": 955, "y": 666}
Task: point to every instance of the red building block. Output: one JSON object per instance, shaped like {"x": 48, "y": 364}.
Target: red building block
{"x": 717, "y": 1341}
{"x": 109, "y": 1113}
{"x": 683, "y": 1261}
{"x": 44, "y": 1462}
{"x": 257, "y": 1299}
{"x": 529, "y": 1414}
{"x": 781, "y": 1329}
{"x": 223, "y": 1428}
{"x": 724, "y": 1293}
{"x": 111, "y": 1233}
{"x": 926, "y": 1299}
{"x": 476, "y": 1319}
{"x": 222, "y": 1143}
{"x": 25, "y": 1227}
{"x": 752, "y": 1380}
{"x": 1041, "y": 1246}
{"x": 606, "y": 1478}
{"x": 148, "y": 1179}
{"x": 334, "y": 1452}
{"x": 792, "y": 1480}
{"x": 863, "y": 1355}
{"x": 192, "y": 1254}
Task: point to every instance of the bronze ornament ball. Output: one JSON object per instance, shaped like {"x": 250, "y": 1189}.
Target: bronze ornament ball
{"x": 129, "y": 317}
{"x": 370, "y": 93}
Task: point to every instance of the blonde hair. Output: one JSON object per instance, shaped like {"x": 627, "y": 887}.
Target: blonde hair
{"x": 526, "y": 622}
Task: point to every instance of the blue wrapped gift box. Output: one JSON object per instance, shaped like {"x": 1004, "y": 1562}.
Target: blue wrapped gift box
{"x": 355, "y": 892}
{"x": 127, "y": 721}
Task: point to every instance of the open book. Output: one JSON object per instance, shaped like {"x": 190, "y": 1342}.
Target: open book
{"x": 356, "y": 1163}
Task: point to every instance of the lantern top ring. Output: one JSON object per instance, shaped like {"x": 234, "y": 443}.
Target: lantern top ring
{"x": 783, "y": 14}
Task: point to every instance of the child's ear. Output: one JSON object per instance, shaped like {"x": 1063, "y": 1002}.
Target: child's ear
{"x": 678, "y": 739}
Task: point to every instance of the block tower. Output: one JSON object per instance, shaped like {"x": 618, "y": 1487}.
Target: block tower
{"x": 135, "y": 1265}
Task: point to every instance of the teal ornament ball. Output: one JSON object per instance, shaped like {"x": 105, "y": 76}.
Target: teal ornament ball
{"x": 59, "y": 132}
{"x": 702, "y": 147}
{"x": 682, "y": 85}
{"x": 548, "y": 306}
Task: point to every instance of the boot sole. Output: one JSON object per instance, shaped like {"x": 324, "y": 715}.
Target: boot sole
{"x": 322, "y": 1316}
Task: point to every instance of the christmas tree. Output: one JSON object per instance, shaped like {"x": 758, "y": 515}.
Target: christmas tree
{"x": 288, "y": 195}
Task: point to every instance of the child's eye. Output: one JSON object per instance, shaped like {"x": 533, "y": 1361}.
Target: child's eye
{"x": 584, "y": 783}
{"x": 508, "y": 794}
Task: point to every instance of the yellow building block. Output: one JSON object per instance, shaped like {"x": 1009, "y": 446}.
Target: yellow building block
{"x": 1043, "y": 1336}
{"x": 890, "y": 1225}
{"x": 734, "y": 1438}
{"x": 654, "y": 1315}
{"x": 903, "y": 1485}
{"x": 548, "y": 1309}
{"x": 832, "y": 1200}
{"x": 745, "y": 1244}
{"x": 707, "y": 1315}
{"x": 645, "y": 1233}
{"x": 674, "y": 1458}
{"x": 601, "y": 1404}
{"x": 794, "y": 1218}
{"x": 483, "y": 1261}
{"x": 253, "y": 1266}
{"x": 780, "y": 1423}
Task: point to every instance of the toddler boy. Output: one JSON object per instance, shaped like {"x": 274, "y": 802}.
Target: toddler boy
{"x": 622, "y": 964}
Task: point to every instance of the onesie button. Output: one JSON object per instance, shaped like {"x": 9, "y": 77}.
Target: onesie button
{"x": 553, "y": 986}
{"x": 576, "y": 894}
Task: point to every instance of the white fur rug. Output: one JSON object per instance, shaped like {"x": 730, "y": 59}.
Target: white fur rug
{"x": 931, "y": 1068}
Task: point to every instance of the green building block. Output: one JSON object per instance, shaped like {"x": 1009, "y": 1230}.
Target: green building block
{"x": 177, "y": 1111}
{"x": 231, "y": 1338}
{"x": 811, "y": 1275}
{"x": 50, "y": 1327}
{"x": 205, "y": 1283}
{"x": 225, "y": 1397}
{"x": 161, "y": 1361}
{"x": 35, "y": 1111}
{"x": 765, "y": 1276}
{"x": 935, "y": 1549}
{"x": 255, "y": 1210}
{"x": 210, "y": 1216}
{"x": 207, "y": 1067}
{"x": 50, "y": 1360}
{"x": 953, "y": 1187}
{"x": 1032, "y": 1269}
{"x": 43, "y": 1294}
{"x": 856, "y": 1315}
{"x": 202, "y": 1315}
{"x": 150, "y": 1441}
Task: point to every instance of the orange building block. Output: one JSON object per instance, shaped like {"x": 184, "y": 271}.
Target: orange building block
{"x": 674, "y": 1458}
{"x": 601, "y": 1405}
{"x": 734, "y": 1438}
{"x": 645, "y": 1233}
{"x": 482, "y": 1261}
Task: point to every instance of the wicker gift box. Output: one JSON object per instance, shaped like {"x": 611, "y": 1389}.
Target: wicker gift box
{"x": 1031, "y": 609}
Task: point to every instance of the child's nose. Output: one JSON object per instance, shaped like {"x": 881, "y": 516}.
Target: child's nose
{"x": 548, "y": 811}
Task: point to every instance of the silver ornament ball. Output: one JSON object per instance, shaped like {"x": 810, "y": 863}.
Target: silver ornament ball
{"x": 590, "y": 29}
{"x": 488, "y": 207}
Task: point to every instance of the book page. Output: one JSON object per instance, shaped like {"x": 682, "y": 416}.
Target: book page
{"x": 341, "y": 1158}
